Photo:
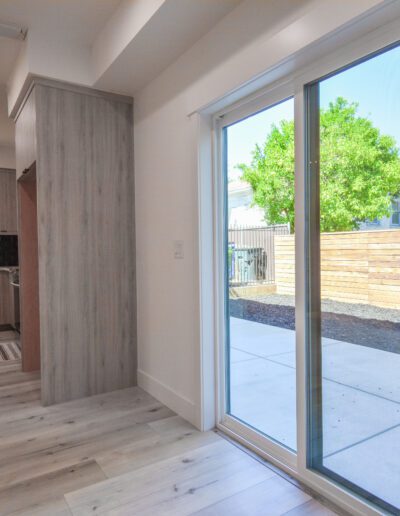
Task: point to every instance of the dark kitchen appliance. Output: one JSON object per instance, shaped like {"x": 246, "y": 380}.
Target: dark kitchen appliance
{"x": 8, "y": 251}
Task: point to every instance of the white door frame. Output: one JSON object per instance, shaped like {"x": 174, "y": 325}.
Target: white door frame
{"x": 212, "y": 332}
{"x": 274, "y": 95}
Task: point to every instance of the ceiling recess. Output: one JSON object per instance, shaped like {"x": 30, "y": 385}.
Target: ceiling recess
{"x": 12, "y": 31}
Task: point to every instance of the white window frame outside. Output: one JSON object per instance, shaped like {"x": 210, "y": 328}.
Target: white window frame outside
{"x": 395, "y": 224}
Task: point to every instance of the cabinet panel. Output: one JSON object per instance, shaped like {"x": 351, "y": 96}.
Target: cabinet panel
{"x": 85, "y": 201}
{"x": 8, "y": 201}
{"x": 6, "y": 299}
{"x": 25, "y": 135}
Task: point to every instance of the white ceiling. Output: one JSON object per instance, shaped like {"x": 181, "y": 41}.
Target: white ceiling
{"x": 172, "y": 30}
{"x": 80, "y": 20}
{"x": 77, "y": 21}
{"x": 61, "y": 35}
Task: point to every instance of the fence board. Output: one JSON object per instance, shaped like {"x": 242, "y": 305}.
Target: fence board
{"x": 357, "y": 267}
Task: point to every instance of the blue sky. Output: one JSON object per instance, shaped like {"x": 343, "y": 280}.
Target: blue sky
{"x": 374, "y": 84}
{"x": 243, "y": 136}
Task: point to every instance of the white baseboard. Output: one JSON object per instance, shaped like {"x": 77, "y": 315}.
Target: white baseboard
{"x": 176, "y": 402}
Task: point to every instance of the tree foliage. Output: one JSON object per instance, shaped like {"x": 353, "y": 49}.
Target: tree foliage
{"x": 359, "y": 170}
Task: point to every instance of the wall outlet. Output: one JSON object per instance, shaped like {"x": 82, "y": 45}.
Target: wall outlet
{"x": 178, "y": 250}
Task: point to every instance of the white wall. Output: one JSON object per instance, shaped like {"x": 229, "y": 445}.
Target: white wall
{"x": 7, "y": 145}
{"x": 250, "y": 40}
{"x": 59, "y": 40}
{"x": 7, "y": 156}
{"x": 51, "y": 57}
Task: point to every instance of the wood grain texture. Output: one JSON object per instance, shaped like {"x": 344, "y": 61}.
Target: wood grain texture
{"x": 180, "y": 485}
{"x": 124, "y": 453}
{"x": 358, "y": 267}
{"x": 25, "y": 136}
{"x": 310, "y": 508}
{"x": 45, "y": 492}
{"x": 6, "y": 299}
{"x": 272, "y": 496}
{"x": 86, "y": 244}
{"x": 8, "y": 201}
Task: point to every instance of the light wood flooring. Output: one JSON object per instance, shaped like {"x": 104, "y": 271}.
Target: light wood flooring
{"x": 124, "y": 453}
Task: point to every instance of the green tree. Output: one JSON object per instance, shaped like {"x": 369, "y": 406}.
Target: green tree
{"x": 359, "y": 170}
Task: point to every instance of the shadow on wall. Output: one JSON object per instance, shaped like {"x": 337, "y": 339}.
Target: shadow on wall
{"x": 227, "y": 38}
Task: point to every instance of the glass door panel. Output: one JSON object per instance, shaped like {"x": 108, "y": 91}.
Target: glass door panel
{"x": 260, "y": 279}
{"x": 355, "y": 293}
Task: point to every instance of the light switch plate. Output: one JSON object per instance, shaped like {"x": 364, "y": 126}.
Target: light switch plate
{"x": 178, "y": 250}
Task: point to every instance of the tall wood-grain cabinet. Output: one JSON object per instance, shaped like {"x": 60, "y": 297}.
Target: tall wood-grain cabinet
{"x": 81, "y": 141}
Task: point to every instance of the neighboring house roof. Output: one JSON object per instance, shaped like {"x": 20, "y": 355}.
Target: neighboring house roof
{"x": 239, "y": 187}
{"x": 241, "y": 211}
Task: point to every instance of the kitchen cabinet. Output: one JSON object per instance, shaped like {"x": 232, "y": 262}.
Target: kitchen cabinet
{"x": 82, "y": 146}
{"x": 6, "y": 299}
{"x": 8, "y": 201}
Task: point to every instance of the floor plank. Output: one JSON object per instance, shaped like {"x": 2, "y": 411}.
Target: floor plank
{"x": 10, "y": 365}
{"x": 125, "y": 453}
{"x": 274, "y": 497}
{"x": 46, "y": 492}
{"x": 171, "y": 436}
{"x": 310, "y": 508}
{"x": 56, "y": 507}
{"x": 19, "y": 396}
{"x": 12, "y": 377}
{"x": 179, "y": 485}
{"x": 8, "y": 335}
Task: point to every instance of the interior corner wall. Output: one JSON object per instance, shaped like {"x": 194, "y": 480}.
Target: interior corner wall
{"x": 54, "y": 57}
{"x": 7, "y": 156}
{"x": 251, "y": 39}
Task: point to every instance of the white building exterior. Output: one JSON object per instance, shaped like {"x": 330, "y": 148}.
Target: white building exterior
{"x": 392, "y": 222}
{"x": 241, "y": 210}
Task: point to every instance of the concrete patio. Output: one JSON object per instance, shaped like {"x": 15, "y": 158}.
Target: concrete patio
{"x": 361, "y": 408}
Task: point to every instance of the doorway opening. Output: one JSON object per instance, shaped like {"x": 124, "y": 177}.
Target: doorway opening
{"x": 29, "y": 270}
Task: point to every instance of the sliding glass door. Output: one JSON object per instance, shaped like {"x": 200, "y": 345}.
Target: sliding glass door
{"x": 317, "y": 164}
{"x": 260, "y": 278}
{"x": 353, "y": 142}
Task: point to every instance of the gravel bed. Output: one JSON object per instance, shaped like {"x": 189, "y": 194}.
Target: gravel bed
{"x": 358, "y": 324}
{"x": 337, "y": 307}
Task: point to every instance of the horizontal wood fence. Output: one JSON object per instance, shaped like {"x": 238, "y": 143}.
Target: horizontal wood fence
{"x": 356, "y": 267}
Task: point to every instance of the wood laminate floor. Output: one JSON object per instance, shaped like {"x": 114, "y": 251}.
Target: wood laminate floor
{"x": 124, "y": 453}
